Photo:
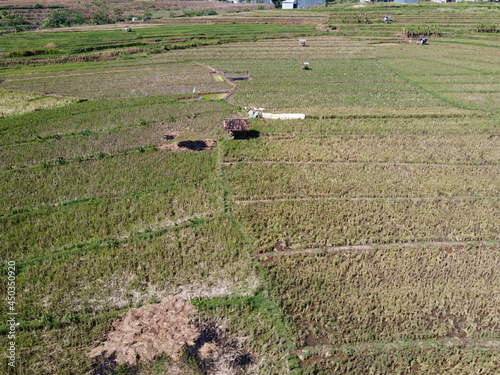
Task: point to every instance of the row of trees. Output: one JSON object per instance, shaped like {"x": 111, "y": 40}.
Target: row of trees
{"x": 64, "y": 18}
{"x": 95, "y": 12}
{"x": 102, "y": 16}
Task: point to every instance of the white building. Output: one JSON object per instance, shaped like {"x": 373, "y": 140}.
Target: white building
{"x": 245, "y": 1}
{"x": 300, "y": 4}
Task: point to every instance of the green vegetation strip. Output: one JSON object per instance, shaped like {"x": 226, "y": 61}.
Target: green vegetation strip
{"x": 60, "y": 160}
{"x": 79, "y": 114}
{"x": 17, "y": 103}
{"x": 50, "y": 322}
{"x": 170, "y": 37}
{"x": 146, "y": 234}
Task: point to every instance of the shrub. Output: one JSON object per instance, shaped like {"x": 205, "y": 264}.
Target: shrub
{"x": 34, "y": 52}
{"x": 422, "y": 31}
{"x": 101, "y": 17}
{"x": 482, "y": 28}
{"x": 198, "y": 13}
{"x": 60, "y": 160}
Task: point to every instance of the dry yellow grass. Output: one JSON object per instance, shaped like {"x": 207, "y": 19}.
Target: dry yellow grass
{"x": 14, "y": 103}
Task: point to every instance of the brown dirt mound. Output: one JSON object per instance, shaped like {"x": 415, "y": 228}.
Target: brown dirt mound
{"x": 327, "y": 28}
{"x": 141, "y": 334}
{"x": 198, "y": 145}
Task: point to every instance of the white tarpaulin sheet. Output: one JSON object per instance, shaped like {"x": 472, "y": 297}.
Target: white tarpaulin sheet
{"x": 284, "y": 116}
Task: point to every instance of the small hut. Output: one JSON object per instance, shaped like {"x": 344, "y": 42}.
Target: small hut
{"x": 236, "y": 126}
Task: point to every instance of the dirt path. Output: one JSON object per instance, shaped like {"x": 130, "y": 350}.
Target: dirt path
{"x": 173, "y": 223}
{"x": 310, "y": 162}
{"x": 266, "y": 257}
{"x": 219, "y": 72}
{"x": 356, "y": 199}
{"x": 228, "y": 96}
{"x": 323, "y": 352}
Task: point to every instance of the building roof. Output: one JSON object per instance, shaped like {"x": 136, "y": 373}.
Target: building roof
{"x": 236, "y": 124}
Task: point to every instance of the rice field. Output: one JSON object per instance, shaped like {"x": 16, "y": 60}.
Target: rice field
{"x": 363, "y": 239}
{"x": 391, "y": 293}
{"x": 411, "y": 149}
{"x": 120, "y": 81}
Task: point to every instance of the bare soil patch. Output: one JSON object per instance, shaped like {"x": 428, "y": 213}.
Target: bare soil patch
{"x": 326, "y": 28}
{"x": 146, "y": 332}
{"x": 168, "y": 328}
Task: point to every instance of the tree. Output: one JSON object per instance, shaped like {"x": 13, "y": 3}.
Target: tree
{"x": 119, "y": 14}
{"x": 101, "y": 17}
{"x": 14, "y": 20}
{"x": 64, "y": 18}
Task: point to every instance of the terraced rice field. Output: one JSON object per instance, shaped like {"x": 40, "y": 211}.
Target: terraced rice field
{"x": 388, "y": 178}
{"x": 363, "y": 239}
